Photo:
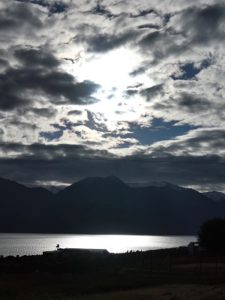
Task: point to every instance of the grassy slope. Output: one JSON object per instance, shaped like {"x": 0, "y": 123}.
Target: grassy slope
{"x": 168, "y": 292}
{"x": 165, "y": 274}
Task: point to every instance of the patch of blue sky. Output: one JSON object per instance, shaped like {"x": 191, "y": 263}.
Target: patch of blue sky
{"x": 159, "y": 130}
{"x": 51, "y": 136}
{"x": 55, "y": 135}
{"x": 189, "y": 70}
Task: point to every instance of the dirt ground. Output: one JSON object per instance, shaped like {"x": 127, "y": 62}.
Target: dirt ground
{"x": 162, "y": 275}
{"x": 167, "y": 292}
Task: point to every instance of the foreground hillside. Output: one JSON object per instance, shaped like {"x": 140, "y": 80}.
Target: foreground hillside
{"x": 165, "y": 292}
{"x": 161, "y": 274}
{"x": 105, "y": 205}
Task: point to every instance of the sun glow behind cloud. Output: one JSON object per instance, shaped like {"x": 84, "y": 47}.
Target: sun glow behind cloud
{"x": 112, "y": 71}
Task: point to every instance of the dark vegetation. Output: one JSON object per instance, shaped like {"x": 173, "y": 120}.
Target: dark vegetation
{"x": 212, "y": 236}
{"x": 58, "y": 277}
{"x": 106, "y": 205}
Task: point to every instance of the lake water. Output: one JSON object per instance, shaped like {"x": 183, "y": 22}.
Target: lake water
{"x": 32, "y": 244}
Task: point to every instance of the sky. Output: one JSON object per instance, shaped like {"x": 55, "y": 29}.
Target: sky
{"x": 133, "y": 89}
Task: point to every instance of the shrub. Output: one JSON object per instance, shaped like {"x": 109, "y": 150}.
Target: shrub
{"x": 211, "y": 235}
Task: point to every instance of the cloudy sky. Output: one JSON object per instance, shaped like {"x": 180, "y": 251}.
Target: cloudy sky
{"x": 128, "y": 88}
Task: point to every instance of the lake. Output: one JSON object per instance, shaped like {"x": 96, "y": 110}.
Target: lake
{"x": 32, "y": 244}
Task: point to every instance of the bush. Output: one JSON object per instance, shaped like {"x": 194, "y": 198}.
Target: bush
{"x": 211, "y": 235}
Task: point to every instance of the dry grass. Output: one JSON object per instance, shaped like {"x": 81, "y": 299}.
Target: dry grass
{"x": 157, "y": 276}
{"x": 167, "y": 292}
{"x": 42, "y": 287}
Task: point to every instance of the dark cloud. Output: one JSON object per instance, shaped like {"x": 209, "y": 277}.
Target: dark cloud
{"x": 193, "y": 103}
{"x": 36, "y": 58}
{"x": 163, "y": 44}
{"x": 148, "y": 26}
{"x": 23, "y": 125}
{"x": 43, "y": 112}
{"x": 135, "y": 86}
{"x": 18, "y": 17}
{"x": 52, "y": 6}
{"x": 101, "y": 10}
{"x": 130, "y": 92}
{"x": 204, "y": 24}
{"x": 103, "y": 42}
{"x": 68, "y": 163}
{"x": 75, "y": 112}
{"x": 152, "y": 38}
{"x": 61, "y": 87}
{"x": 50, "y": 151}
{"x": 145, "y": 12}
{"x": 139, "y": 70}
{"x": 201, "y": 142}
{"x": 9, "y": 96}
{"x": 193, "y": 26}
{"x": 152, "y": 91}
{"x": 3, "y": 63}
{"x": 95, "y": 122}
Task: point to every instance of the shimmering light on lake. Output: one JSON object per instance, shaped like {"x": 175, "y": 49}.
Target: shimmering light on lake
{"x": 32, "y": 244}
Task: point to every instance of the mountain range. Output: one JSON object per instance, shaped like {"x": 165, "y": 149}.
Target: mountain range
{"x": 107, "y": 206}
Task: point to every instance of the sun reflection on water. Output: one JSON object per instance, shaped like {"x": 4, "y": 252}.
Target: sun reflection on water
{"x": 124, "y": 243}
{"x": 33, "y": 244}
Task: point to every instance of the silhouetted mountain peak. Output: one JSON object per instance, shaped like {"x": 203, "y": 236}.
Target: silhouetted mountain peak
{"x": 110, "y": 182}
{"x": 7, "y": 184}
{"x": 113, "y": 180}
{"x": 103, "y": 180}
{"x": 166, "y": 184}
{"x": 106, "y": 205}
{"x": 7, "y": 181}
{"x": 216, "y": 196}
{"x": 159, "y": 184}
